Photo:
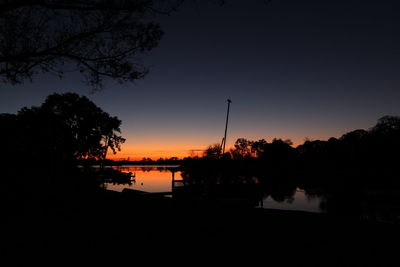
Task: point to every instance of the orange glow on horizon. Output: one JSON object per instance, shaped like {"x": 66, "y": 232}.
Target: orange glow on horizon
{"x": 135, "y": 152}
{"x": 154, "y": 152}
{"x": 154, "y": 155}
{"x": 155, "y": 146}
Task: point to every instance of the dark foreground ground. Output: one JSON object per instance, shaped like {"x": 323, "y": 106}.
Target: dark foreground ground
{"x": 128, "y": 230}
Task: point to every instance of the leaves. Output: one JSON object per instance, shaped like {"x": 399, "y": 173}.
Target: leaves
{"x": 66, "y": 127}
{"x": 100, "y": 39}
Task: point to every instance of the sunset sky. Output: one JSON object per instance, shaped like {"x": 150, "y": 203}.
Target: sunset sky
{"x": 293, "y": 69}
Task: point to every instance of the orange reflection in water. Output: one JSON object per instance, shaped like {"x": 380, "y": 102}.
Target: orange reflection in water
{"x": 148, "y": 179}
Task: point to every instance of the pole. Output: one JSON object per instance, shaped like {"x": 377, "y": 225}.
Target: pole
{"x": 226, "y": 127}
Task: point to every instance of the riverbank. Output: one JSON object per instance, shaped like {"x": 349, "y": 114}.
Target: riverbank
{"x": 116, "y": 230}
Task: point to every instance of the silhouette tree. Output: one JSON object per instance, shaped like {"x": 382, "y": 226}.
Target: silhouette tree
{"x": 278, "y": 151}
{"x": 64, "y": 128}
{"x": 257, "y": 147}
{"x": 97, "y": 38}
{"x": 242, "y": 148}
{"x": 213, "y": 151}
{"x": 387, "y": 125}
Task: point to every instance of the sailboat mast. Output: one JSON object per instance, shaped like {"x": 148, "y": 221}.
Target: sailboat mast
{"x": 226, "y": 127}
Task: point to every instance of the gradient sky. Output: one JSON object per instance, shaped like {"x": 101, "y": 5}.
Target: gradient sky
{"x": 293, "y": 69}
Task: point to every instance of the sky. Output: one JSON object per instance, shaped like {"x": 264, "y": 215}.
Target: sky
{"x": 293, "y": 70}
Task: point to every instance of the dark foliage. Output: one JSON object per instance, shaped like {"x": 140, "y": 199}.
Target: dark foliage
{"x": 64, "y": 128}
{"x": 97, "y": 38}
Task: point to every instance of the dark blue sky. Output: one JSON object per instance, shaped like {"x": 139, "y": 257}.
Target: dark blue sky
{"x": 293, "y": 69}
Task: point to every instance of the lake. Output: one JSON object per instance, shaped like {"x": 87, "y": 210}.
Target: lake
{"x": 159, "y": 179}
{"x": 147, "y": 178}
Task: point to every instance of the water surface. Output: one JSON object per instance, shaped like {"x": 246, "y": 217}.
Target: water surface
{"x": 147, "y": 178}
{"x": 299, "y": 201}
{"x": 159, "y": 179}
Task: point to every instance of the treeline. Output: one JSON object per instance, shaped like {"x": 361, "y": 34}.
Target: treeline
{"x": 371, "y": 152}
{"x": 121, "y": 162}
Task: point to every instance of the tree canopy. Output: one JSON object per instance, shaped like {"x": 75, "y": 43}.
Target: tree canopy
{"x": 64, "y": 128}
{"x": 363, "y": 150}
{"x": 98, "y": 38}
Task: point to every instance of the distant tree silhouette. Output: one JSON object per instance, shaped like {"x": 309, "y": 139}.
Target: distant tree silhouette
{"x": 213, "y": 151}
{"x": 146, "y": 160}
{"x": 258, "y": 147}
{"x": 387, "y": 125}
{"x": 97, "y": 38}
{"x": 242, "y": 149}
{"x": 279, "y": 151}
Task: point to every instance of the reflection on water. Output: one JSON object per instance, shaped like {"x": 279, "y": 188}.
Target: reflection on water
{"x": 159, "y": 179}
{"x": 299, "y": 201}
{"x": 147, "y": 178}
